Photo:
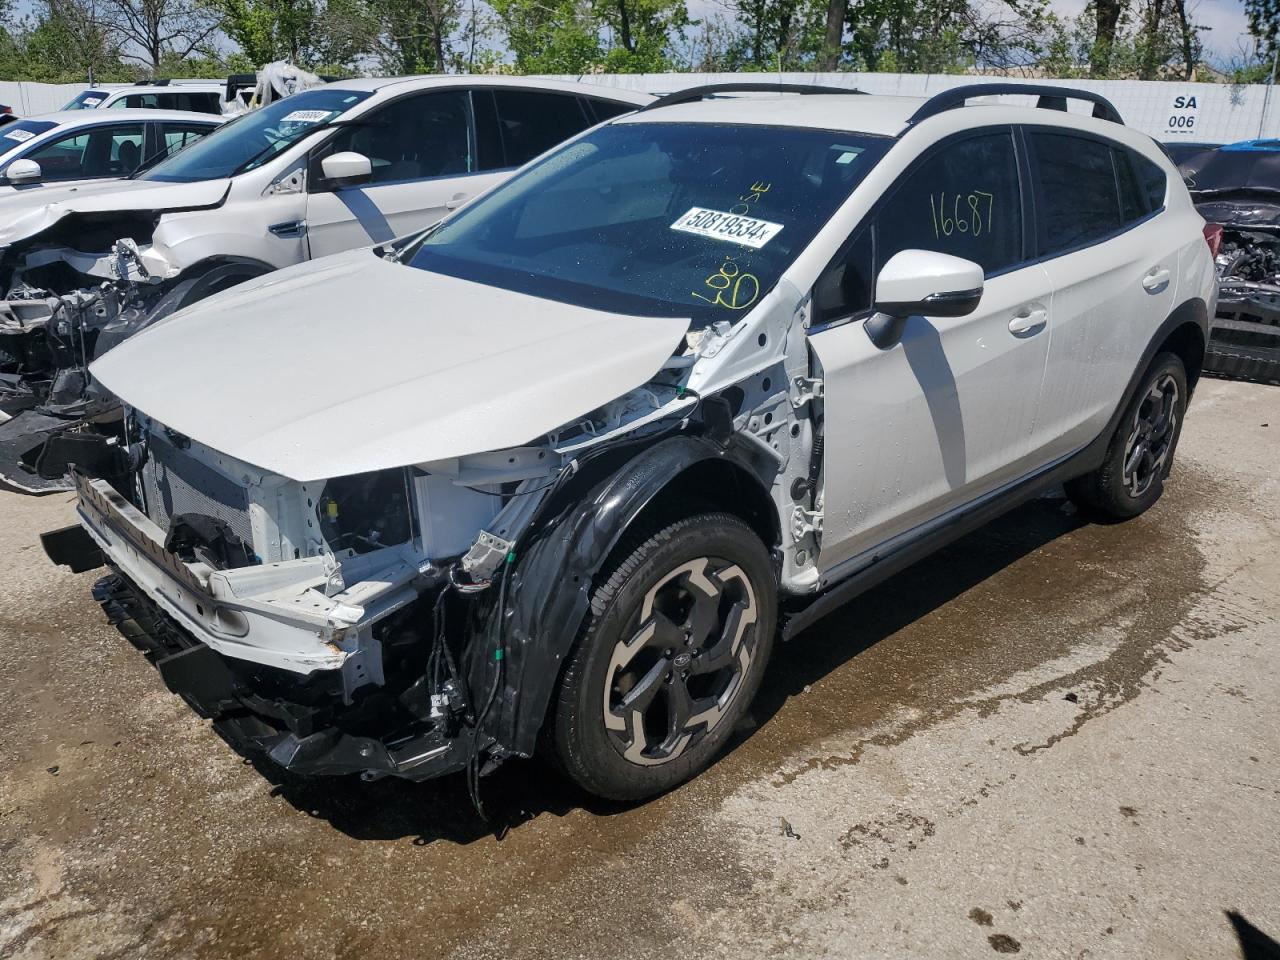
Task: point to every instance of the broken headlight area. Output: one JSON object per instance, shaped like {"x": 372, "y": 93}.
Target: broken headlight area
{"x": 1244, "y": 337}
{"x": 334, "y": 626}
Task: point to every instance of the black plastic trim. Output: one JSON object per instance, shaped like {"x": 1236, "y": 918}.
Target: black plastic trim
{"x": 1051, "y": 98}
{"x": 693, "y": 94}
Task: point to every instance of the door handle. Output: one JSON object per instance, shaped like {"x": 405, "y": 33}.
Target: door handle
{"x": 1029, "y": 319}
{"x": 1156, "y": 280}
{"x": 454, "y": 202}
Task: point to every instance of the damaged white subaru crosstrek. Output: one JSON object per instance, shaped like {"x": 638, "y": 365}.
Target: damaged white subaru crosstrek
{"x": 560, "y": 469}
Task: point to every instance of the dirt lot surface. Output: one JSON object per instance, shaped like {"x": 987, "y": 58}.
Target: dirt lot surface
{"x": 1054, "y": 739}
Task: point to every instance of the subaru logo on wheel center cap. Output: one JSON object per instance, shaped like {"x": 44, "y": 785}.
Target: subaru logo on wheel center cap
{"x": 682, "y": 660}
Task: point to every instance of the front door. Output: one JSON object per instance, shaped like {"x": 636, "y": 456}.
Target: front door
{"x": 946, "y": 414}
{"x": 422, "y": 149}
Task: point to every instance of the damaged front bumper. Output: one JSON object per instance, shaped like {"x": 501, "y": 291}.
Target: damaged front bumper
{"x": 282, "y": 672}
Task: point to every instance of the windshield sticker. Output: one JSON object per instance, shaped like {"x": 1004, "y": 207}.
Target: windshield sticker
{"x": 19, "y": 135}
{"x": 847, "y": 157}
{"x": 305, "y": 116}
{"x": 92, "y": 101}
{"x": 730, "y": 227}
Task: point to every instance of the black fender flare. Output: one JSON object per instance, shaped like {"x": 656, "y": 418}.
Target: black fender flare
{"x": 551, "y": 583}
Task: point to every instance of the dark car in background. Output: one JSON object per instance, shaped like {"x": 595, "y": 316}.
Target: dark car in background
{"x": 1236, "y": 188}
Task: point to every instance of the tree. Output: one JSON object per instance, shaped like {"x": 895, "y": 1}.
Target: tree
{"x": 1264, "y": 23}
{"x": 550, "y": 36}
{"x": 65, "y": 42}
{"x": 1107, "y": 14}
{"x": 269, "y": 30}
{"x": 158, "y": 30}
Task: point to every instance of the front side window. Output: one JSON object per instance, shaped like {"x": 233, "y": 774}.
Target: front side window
{"x": 657, "y": 219}
{"x": 412, "y": 139}
{"x": 114, "y": 151}
{"x": 963, "y": 200}
{"x": 253, "y": 139}
{"x": 532, "y": 122}
{"x": 1077, "y": 202}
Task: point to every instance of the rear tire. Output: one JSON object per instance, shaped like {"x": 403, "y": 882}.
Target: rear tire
{"x": 1140, "y": 454}
{"x": 675, "y": 644}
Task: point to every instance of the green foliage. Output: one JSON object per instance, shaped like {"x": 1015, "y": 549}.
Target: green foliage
{"x": 1264, "y": 23}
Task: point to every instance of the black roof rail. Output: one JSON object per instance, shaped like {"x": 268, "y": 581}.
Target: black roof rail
{"x": 163, "y": 82}
{"x": 1050, "y": 98}
{"x": 706, "y": 90}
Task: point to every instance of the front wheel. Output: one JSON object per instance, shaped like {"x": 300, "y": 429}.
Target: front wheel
{"x": 1140, "y": 454}
{"x": 678, "y": 635}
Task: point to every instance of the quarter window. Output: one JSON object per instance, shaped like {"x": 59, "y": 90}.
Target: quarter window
{"x": 963, "y": 200}
{"x": 1133, "y": 205}
{"x": 1077, "y": 202}
{"x": 1154, "y": 182}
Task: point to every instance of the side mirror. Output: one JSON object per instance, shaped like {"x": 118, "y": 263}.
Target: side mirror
{"x": 922, "y": 282}
{"x": 23, "y": 171}
{"x": 346, "y": 169}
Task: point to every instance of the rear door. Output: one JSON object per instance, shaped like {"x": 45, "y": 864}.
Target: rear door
{"x": 422, "y": 148}
{"x": 946, "y": 414}
{"x": 1113, "y": 267}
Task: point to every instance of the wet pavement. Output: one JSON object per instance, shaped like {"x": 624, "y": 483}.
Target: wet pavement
{"x": 1054, "y": 739}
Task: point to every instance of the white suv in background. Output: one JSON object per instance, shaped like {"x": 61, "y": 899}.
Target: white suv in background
{"x": 344, "y": 165}
{"x": 200, "y": 96}
{"x": 559, "y": 470}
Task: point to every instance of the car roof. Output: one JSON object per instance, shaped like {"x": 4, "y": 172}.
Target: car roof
{"x": 408, "y": 84}
{"x": 192, "y": 86}
{"x": 853, "y": 112}
{"x": 86, "y": 118}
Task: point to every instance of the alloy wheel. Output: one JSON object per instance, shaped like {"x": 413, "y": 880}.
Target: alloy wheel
{"x": 1151, "y": 436}
{"x": 671, "y": 680}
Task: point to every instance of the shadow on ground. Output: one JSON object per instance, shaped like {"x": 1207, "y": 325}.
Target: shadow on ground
{"x": 522, "y": 790}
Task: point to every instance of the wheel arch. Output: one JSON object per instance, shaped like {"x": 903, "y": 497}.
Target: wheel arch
{"x": 553, "y": 579}
{"x": 1186, "y": 335}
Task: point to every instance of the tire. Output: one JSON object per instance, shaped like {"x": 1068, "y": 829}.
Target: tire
{"x": 1140, "y": 454}
{"x": 644, "y": 706}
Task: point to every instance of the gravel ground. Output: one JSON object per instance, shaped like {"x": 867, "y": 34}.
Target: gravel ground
{"x": 1052, "y": 739}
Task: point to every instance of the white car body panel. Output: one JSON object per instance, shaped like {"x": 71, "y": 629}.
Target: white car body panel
{"x": 314, "y": 391}
{"x": 942, "y": 416}
{"x": 350, "y": 217}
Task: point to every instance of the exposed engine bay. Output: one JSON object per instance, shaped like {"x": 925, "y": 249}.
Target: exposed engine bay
{"x": 48, "y": 339}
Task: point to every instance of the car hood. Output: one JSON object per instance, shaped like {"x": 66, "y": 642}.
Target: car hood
{"x": 26, "y": 213}
{"x": 353, "y": 363}
{"x": 1259, "y": 213}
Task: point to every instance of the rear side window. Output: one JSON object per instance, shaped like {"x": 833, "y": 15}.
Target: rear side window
{"x": 1077, "y": 201}
{"x": 1154, "y": 182}
{"x": 532, "y": 122}
{"x": 963, "y": 200}
{"x": 1133, "y": 204}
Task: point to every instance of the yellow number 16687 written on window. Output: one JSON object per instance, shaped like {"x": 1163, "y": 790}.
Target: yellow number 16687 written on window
{"x": 961, "y": 213}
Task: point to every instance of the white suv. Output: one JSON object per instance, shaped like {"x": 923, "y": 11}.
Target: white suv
{"x": 561, "y": 469}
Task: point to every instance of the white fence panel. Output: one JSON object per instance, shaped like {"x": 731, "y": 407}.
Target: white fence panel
{"x": 1210, "y": 112}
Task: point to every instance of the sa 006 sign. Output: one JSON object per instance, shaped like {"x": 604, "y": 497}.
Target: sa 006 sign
{"x": 1182, "y": 115}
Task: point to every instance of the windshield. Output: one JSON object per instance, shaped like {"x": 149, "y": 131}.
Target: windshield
{"x": 253, "y": 139}
{"x": 87, "y": 100}
{"x": 14, "y": 135}
{"x": 657, "y": 219}
{"x": 1225, "y": 171}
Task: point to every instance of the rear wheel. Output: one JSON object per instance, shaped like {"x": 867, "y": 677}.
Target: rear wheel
{"x": 672, "y": 653}
{"x": 1140, "y": 454}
